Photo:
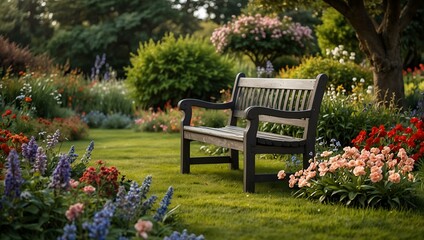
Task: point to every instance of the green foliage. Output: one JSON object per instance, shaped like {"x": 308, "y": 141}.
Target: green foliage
{"x": 177, "y": 68}
{"x": 116, "y": 121}
{"x": 339, "y": 74}
{"x": 359, "y": 178}
{"x": 343, "y": 116}
{"x": 335, "y": 30}
{"x": 414, "y": 88}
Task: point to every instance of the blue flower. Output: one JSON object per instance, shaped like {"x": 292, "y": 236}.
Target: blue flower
{"x": 160, "y": 213}
{"x": 147, "y": 205}
{"x": 99, "y": 228}
{"x": 29, "y": 150}
{"x": 184, "y": 236}
{"x": 61, "y": 174}
{"x": 13, "y": 179}
{"x": 146, "y": 186}
{"x": 128, "y": 203}
{"x": 87, "y": 155}
{"x": 40, "y": 163}
{"x": 72, "y": 155}
{"x": 69, "y": 232}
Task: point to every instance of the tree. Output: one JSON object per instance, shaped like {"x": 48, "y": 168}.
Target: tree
{"x": 86, "y": 28}
{"x": 261, "y": 38}
{"x": 378, "y": 26}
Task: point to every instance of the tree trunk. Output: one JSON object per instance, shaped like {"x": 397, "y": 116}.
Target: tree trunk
{"x": 389, "y": 86}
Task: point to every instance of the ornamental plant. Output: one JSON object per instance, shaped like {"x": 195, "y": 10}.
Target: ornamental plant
{"x": 364, "y": 178}
{"x": 262, "y": 38}
{"x": 409, "y": 137}
{"x": 51, "y": 195}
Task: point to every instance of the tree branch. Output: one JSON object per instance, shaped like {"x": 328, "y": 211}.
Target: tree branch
{"x": 408, "y": 12}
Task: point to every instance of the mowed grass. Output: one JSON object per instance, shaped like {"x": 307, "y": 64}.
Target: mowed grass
{"x": 211, "y": 201}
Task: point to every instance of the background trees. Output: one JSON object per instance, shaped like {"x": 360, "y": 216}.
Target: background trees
{"x": 378, "y": 26}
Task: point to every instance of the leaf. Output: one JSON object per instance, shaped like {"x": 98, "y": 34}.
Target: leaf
{"x": 352, "y": 195}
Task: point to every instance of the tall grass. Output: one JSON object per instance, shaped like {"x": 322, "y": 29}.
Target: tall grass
{"x": 211, "y": 200}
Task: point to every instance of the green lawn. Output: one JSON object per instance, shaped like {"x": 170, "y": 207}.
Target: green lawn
{"x": 211, "y": 201}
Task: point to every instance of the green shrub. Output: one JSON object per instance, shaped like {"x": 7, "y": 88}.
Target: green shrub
{"x": 173, "y": 69}
{"x": 94, "y": 119}
{"x": 116, "y": 121}
{"x": 339, "y": 74}
{"x": 335, "y": 30}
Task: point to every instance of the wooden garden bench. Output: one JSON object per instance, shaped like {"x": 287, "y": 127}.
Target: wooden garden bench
{"x": 294, "y": 102}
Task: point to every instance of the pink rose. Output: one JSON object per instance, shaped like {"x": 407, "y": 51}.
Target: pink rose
{"x": 281, "y": 174}
{"x": 359, "y": 171}
{"x": 143, "y": 227}
{"x": 73, "y": 183}
{"x": 394, "y": 177}
{"x": 89, "y": 189}
{"x": 74, "y": 211}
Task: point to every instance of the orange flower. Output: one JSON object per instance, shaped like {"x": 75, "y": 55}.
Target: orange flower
{"x": 28, "y": 99}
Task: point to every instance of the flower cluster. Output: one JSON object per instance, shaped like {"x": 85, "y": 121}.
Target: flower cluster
{"x": 103, "y": 178}
{"x": 364, "y": 178}
{"x": 410, "y": 138}
{"x": 252, "y": 34}
{"x": 85, "y": 209}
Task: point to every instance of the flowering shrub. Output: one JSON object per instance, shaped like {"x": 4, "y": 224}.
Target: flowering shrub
{"x": 359, "y": 178}
{"x": 48, "y": 195}
{"x": 410, "y": 138}
{"x": 262, "y": 38}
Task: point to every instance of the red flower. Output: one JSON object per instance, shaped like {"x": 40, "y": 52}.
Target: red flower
{"x": 28, "y": 99}
{"x": 7, "y": 113}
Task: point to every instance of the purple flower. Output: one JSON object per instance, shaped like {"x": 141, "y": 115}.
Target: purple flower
{"x": 184, "y": 236}
{"x": 87, "y": 155}
{"x": 99, "y": 228}
{"x": 61, "y": 174}
{"x": 13, "y": 179}
{"x": 53, "y": 140}
{"x": 160, "y": 213}
{"x": 69, "y": 232}
{"x": 145, "y": 186}
{"x": 29, "y": 150}
{"x": 147, "y": 205}
{"x": 72, "y": 155}
{"x": 40, "y": 163}
{"x": 128, "y": 203}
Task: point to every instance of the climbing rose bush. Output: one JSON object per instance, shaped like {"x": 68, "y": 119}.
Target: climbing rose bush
{"x": 375, "y": 178}
{"x": 262, "y": 38}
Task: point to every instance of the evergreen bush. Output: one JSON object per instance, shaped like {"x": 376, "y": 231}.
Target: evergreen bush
{"x": 177, "y": 68}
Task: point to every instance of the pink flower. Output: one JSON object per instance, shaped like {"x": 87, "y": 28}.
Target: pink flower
{"x": 292, "y": 181}
{"x": 73, "y": 183}
{"x": 326, "y": 153}
{"x": 74, "y": 211}
{"x": 359, "y": 171}
{"x": 281, "y": 174}
{"x": 376, "y": 177}
{"x": 411, "y": 177}
{"x": 143, "y": 227}
{"x": 394, "y": 177}
{"x": 89, "y": 189}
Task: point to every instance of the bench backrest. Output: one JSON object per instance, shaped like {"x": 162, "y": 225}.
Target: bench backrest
{"x": 281, "y": 94}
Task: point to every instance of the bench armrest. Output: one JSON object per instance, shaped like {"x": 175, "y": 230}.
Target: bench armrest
{"x": 186, "y": 105}
{"x": 190, "y": 102}
{"x": 253, "y": 112}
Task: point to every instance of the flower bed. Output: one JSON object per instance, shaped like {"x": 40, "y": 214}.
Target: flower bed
{"x": 47, "y": 195}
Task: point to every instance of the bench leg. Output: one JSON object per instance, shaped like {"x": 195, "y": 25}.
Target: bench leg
{"x": 185, "y": 155}
{"x": 308, "y": 154}
{"x": 234, "y": 160}
{"x": 249, "y": 172}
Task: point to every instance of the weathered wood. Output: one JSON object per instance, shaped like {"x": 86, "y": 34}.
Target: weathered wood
{"x": 284, "y": 101}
